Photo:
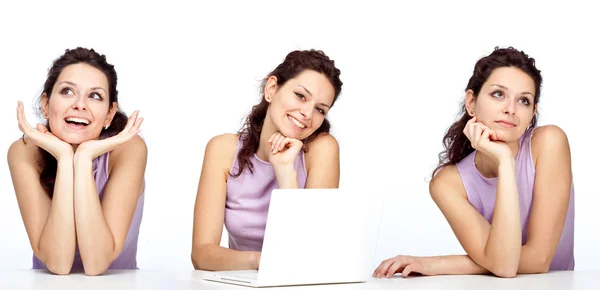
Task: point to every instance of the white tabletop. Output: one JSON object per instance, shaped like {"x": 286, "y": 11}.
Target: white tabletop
{"x": 144, "y": 279}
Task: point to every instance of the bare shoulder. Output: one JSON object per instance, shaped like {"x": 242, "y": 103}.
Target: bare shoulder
{"x": 134, "y": 148}
{"x": 324, "y": 148}
{"x": 549, "y": 138}
{"x": 220, "y": 151}
{"x": 446, "y": 183}
{"x": 21, "y": 151}
{"x": 324, "y": 143}
{"x": 224, "y": 142}
{"x": 548, "y": 134}
{"x": 132, "y": 152}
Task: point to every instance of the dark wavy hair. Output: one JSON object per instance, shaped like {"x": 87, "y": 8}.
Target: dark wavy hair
{"x": 46, "y": 161}
{"x": 456, "y": 145}
{"x": 293, "y": 64}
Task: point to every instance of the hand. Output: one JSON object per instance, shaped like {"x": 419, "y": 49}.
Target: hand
{"x": 485, "y": 140}
{"x": 94, "y": 148}
{"x": 404, "y": 265}
{"x": 284, "y": 150}
{"x": 42, "y": 137}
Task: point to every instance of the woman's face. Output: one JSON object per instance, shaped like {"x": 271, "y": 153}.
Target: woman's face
{"x": 78, "y": 107}
{"x": 298, "y": 108}
{"x": 505, "y": 103}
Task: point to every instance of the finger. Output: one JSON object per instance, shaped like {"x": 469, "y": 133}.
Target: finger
{"x": 381, "y": 266}
{"x": 133, "y": 119}
{"x": 471, "y": 133}
{"x": 284, "y": 142}
{"x": 273, "y": 139}
{"x": 393, "y": 268}
{"x": 23, "y": 125}
{"x": 487, "y": 133}
{"x": 467, "y": 127}
{"x": 42, "y": 128}
{"x": 19, "y": 111}
{"x": 376, "y": 271}
{"x": 130, "y": 121}
{"x": 477, "y": 130}
{"x": 276, "y": 143}
{"x": 280, "y": 143}
{"x": 138, "y": 123}
{"x": 493, "y": 135}
{"x": 407, "y": 270}
{"x": 385, "y": 265}
{"x": 471, "y": 121}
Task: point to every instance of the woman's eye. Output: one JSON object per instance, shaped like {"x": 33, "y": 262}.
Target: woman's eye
{"x": 300, "y": 96}
{"x": 66, "y": 91}
{"x": 497, "y": 94}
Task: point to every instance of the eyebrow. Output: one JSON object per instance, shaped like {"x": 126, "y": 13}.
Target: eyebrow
{"x": 503, "y": 87}
{"x": 322, "y": 104}
{"x": 93, "y": 88}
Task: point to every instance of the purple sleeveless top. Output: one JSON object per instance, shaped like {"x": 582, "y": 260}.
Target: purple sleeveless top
{"x": 248, "y": 198}
{"x": 127, "y": 258}
{"x": 481, "y": 192}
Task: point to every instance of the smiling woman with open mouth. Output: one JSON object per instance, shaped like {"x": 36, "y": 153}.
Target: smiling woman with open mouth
{"x": 79, "y": 176}
{"x": 285, "y": 143}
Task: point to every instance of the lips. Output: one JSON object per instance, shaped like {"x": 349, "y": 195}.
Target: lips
{"x": 76, "y": 122}
{"x": 506, "y": 124}
{"x": 296, "y": 122}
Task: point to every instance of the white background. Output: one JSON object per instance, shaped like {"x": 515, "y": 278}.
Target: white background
{"x": 193, "y": 69}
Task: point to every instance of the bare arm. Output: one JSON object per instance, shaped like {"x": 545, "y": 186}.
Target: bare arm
{"x": 49, "y": 222}
{"x": 209, "y": 211}
{"x": 102, "y": 227}
{"x": 551, "y": 192}
{"x": 551, "y": 152}
{"x": 484, "y": 243}
{"x": 323, "y": 163}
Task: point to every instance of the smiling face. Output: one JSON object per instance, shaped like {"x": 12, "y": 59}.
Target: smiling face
{"x": 298, "y": 107}
{"x": 505, "y": 103}
{"x": 78, "y": 107}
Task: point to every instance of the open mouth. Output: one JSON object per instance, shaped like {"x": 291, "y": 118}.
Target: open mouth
{"x": 77, "y": 122}
{"x": 296, "y": 122}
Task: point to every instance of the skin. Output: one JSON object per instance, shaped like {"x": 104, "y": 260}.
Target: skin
{"x": 497, "y": 248}
{"x": 75, "y": 215}
{"x": 305, "y": 98}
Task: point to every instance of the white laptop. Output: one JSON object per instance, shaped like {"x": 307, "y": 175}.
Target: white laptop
{"x": 314, "y": 236}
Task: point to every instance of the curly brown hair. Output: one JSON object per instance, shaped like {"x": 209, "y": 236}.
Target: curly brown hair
{"x": 46, "y": 161}
{"x": 294, "y": 63}
{"x": 456, "y": 145}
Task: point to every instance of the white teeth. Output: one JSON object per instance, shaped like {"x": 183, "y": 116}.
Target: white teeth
{"x": 78, "y": 120}
{"x": 296, "y": 122}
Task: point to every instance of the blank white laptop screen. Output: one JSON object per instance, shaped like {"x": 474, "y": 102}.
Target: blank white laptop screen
{"x": 314, "y": 236}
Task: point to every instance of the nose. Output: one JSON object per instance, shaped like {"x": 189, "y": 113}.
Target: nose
{"x": 306, "y": 111}
{"x": 80, "y": 103}
{"x": 509, "y": 108}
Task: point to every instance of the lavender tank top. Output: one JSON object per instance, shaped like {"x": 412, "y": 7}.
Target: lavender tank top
{"x": 248, "y": 198}
{"x": 481, "y": 192}
{"x": 127, "y": 258}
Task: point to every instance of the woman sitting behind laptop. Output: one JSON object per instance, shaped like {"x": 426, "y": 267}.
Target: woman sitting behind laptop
{"x": 284, "y": 143}
{"x": 504, "y": 185}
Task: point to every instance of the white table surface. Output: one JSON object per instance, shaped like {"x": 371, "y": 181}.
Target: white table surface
{"x": 146, "y": 279}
